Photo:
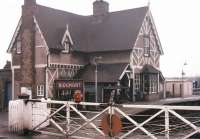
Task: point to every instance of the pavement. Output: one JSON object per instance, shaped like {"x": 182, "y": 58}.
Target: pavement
{"x": 3, "y": 124}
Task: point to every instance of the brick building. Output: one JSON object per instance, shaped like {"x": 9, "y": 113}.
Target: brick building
{"x": 56, "y": 52}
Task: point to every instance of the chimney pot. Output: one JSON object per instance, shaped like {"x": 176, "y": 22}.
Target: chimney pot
{"x": 100, "y": 8}
{"x": 29, "y": 2}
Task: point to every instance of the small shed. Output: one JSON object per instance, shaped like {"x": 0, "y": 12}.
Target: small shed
{"x": 178, "y": 87}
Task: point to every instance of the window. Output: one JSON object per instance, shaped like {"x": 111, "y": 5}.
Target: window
{"x": 146, "y": 83}
{"x": 153, "y": 84}
{"x": 150, "y": 83}
{"x": 137, "y": 82}
{"x": 66, "y": 47}
{"x": 146, "y": 45}
{"x": 40, "y": 90}
{"x": 18, "y": 47}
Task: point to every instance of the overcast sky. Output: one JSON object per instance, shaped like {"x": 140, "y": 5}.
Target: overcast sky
{"x": 177, "y": 23}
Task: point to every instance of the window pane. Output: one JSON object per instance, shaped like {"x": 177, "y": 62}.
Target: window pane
{"x": 40, "y": 90}
{"x": 137, "y": 82}
{"x": 18, "y": 47}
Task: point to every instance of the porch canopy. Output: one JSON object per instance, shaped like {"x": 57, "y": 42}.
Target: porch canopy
{"x": 107, "y": 73}
{"x": 149, "y": 69}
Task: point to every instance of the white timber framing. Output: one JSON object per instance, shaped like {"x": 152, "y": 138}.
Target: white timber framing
{"x": 125, "y": 72}
{"x": 55, "y": 70}
{"x": 148, "y": 27}
{"x": 67, "y": 35}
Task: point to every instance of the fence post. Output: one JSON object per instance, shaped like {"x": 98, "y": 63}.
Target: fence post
{"x": 166, "y": 123}
{"x": 67, "y": 119}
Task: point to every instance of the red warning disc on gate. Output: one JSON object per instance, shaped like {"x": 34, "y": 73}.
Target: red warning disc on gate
{"x": 111, "y": 125}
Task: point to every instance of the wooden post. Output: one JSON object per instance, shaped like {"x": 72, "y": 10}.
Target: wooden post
{"x": 166, "y": 123}
{"x": 67, "y": 120}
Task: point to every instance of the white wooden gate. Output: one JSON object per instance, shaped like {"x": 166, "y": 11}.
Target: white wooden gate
{"x": 25, "y": 115}
{"x": 83, "y": 120}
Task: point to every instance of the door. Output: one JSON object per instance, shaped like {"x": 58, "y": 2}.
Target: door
{"x": 106, "y": 95}
{"x": 7, "y": 94}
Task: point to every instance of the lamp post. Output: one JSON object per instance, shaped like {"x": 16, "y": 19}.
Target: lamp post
{"x": 95, "y": 59}
{"x": 182, "y": 75}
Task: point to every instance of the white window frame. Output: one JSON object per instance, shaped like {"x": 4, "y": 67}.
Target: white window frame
{"x": 40, "y": 90}
{"x": 137, "y": 82}
{"x": 66, "y": 47}
{"x": 18, "y": 47}
{"x": 153, "y": 87}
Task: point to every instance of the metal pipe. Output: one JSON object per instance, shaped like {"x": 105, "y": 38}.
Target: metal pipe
{"x": 96, "y": 76}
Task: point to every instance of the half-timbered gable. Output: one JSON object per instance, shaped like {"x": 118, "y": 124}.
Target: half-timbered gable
{"x": 145, "y": 59}
{"x": 147, "y": 48}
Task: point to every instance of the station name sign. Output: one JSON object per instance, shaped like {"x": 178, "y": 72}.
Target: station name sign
{"x": 69, "y": 84}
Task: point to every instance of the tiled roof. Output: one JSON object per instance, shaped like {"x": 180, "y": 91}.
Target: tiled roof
{"x": 115, "y": 31}
{"x": 106, "y": 72}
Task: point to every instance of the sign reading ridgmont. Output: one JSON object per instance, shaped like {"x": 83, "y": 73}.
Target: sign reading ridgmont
{"x": 69, "y": 84}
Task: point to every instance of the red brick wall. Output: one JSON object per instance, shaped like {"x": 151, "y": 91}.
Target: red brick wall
{"x": 28, "y": 42}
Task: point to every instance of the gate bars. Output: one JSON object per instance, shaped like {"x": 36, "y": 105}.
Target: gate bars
{"x": 90, "y": 119}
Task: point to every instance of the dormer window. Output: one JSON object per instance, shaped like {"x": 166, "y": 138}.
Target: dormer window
{"x": 67, "y": 41}
{"x": 66, "y": 46}
{"x": 18, "y": 47}
{"x": 146, "y": 45}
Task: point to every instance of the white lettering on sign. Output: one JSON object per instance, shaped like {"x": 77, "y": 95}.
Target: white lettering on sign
{"x": 70, "y": 84}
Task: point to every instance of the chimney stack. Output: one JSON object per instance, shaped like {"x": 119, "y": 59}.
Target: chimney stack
{"x": 27, "y": 37}
{"x": 100, "y": 8}
{"x": 28, "y": 11}
{"x": 29, "y": 2}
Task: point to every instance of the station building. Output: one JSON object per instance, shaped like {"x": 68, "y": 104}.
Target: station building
{"x": 55, "y": 52}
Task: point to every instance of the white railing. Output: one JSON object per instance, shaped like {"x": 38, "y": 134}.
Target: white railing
{"x": 83, "y": 120}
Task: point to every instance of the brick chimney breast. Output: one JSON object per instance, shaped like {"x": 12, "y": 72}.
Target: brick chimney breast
{"x": 100, "y": 8}
{"x": 27, "y": 35}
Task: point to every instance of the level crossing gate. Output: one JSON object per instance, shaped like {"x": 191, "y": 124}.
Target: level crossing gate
{"x": 84, "y": 120}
